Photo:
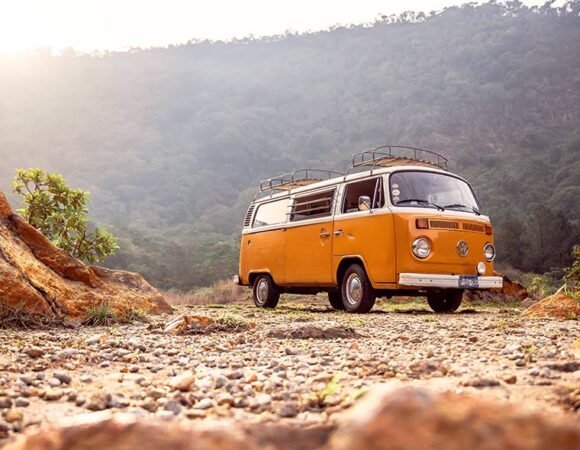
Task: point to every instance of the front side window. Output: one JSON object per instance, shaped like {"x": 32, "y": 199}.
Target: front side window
{"x": 431, "y": 190}
{"x": 271, "y": 213}
{"x": 373, "y": 189}
{"x": 313, "y": 206}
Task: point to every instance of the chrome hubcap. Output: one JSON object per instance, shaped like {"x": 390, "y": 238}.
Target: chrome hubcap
{"x": 354, "y": 289}
{"x": 262, "y": 291}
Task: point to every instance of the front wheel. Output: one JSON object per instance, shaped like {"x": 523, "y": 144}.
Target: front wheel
{"x": 265, "y": 292}
{"x": 335, "y": 299}
{"x": 445, "y": 301}
{"x": 358, "y": 296}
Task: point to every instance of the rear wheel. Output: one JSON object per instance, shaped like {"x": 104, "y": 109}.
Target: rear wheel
{"x": 265, "y": 292}
{"x": 358, "y": 296}
{"x": 445, "y": 301}
{"x": 335, "y": 299}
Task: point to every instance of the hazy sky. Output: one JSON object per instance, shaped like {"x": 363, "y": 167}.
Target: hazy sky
{"x": 116, "y": 24}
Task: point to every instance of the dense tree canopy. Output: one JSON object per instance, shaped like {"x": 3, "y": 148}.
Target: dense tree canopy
{"x": 171, "y": 141}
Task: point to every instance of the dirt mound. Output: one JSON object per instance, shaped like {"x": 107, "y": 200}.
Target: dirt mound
{"x": 386, "y": 418}
{"x": 558, "y": 306}
{"x": 37, "y": 277}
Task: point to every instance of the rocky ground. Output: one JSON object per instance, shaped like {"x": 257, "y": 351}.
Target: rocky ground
{"x": 301, "y": 363}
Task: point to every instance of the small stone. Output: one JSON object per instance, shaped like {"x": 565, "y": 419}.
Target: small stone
{"x": 21, "y": 402}
{"x": 235, "y": 375}
{"x": 174, "y": 406}
{"x": 520, "y": 363}
{"x": 225, "y": 399}
{"x": 52, "y": 394}
{"x": 86, "y": 379}
{"x": 288, "y": 409}
{"x": 53, "y": 382}
{"x": 5, "y": 403}
{"x": 263, "y": 399}
{"x": 195, "y": 413}
{"x": 13, "y": 415}
{"x": 183, "y": 382}
{"x": 480, "y": 382}
{"x": 149, "y": 406}
{"x": 34, "y": 352}
{"x": 204, "y": 403}
{"x": 62, "y": 377}
{"x": 98, "y": 401}
{"x": 510, "y": 379}
{"x": 4, "y": 429}
{"x": 534, "y": 372}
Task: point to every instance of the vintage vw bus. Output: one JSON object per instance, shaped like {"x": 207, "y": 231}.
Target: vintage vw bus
{"x": 396, "y": 223}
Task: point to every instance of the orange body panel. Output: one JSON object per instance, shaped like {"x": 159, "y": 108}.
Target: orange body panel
{"x": 444, "y": 258}
{"x": 308, "y": 254}
{"x": 370, "y": 236}
{"x": 263, "y": 252}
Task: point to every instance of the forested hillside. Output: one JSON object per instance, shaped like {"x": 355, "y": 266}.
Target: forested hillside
{"x": 171, "y": 142}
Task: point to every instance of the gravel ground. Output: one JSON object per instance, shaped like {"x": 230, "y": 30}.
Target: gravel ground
{"x": 301, "y": 362}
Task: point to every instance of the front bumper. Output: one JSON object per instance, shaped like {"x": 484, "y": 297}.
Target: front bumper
{"x": 445, "y": 281}
{"x": 237, "y": 280}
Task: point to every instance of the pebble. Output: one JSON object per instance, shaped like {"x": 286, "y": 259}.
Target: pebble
{"x": 204, "y": 403}
{"x": 98, "y": 401}
{"x": 288, "y": 409}
{"x": 62, "y": 377}
{"x": 13, "y": 415}
{"x": 53, "y": 394}
{"x": 183, "y": 382}
{"x": 34, "y": 352}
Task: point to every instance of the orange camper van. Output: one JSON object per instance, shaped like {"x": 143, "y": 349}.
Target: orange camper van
{"x": 396, "y": 223}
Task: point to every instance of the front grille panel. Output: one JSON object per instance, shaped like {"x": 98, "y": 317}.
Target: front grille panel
{"x": 473, "y": 227}
{"x": 445, "y": 224}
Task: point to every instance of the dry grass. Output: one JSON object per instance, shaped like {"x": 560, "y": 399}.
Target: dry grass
{"x": 16, "y": 317}
{"x": 221, "y": 293}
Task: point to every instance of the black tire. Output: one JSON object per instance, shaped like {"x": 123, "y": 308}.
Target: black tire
{"x": 360, "y": 297}
{"x": 335, "y": 299}
{"x": 265, "y": 292}
{"x": 445, "y": 301}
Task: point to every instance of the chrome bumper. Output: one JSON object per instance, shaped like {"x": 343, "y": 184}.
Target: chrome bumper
{"x": 237, "y": 279}
{"x": 445, "y": 281}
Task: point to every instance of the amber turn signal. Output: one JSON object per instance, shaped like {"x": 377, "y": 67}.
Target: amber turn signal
{"x": 422, "y": 224}
{"x": 488, "y": 229}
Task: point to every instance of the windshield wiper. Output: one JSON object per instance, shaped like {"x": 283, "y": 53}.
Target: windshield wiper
{"x": 422, "y": 201}
{"x": 459, "y": 205}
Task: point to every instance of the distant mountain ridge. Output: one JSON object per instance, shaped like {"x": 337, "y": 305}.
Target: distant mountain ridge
{"x": 171, "y": 142}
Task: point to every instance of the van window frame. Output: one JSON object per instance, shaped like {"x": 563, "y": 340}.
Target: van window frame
{"x": 382, "y": 184}
{"x": 448, "y": 174}
{"x": 333, "y": 189}
{"x": 271, "y": 225}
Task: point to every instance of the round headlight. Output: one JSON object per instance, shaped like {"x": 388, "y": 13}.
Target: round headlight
{"x": 421, "y": 248}
{"x": 489, "y": 252}
{"x": 481, "y": 268}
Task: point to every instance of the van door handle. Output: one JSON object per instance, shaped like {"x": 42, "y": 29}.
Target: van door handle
{"x": 338, "y": 233}
{"x": 324, "y": 233}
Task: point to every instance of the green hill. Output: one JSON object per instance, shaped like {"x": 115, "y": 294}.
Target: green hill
{"x": 172, "y": 141}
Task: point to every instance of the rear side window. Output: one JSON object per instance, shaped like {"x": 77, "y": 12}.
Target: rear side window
{"x": 271, "y": 213}
{"x": 373, "y": 189}
{"x": 312, "y": 206}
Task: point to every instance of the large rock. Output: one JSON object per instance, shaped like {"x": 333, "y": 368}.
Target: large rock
{"x": 385, "y": 418}
{"x": 412, "y": 418}
{"x": 557, "y": 306}
{"x": 40, "y": 278}
{"x": 125, "y": 432}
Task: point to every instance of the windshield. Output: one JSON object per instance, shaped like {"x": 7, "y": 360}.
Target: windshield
{"x": 431, "y": 190}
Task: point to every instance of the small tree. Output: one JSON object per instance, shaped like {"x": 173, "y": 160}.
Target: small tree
{"x": 60, "y": 213}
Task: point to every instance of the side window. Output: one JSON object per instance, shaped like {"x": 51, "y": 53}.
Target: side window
{"x": 313, "y": 206}
{"x": 271, "y": 213}
{"x": 372, "y": 189}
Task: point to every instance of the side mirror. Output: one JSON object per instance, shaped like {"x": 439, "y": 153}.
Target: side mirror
{"x": 364, "y": 203}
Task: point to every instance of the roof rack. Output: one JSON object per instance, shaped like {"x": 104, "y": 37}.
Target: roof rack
{"x": 395, "y": 155}
{"x": 291, "y": 180}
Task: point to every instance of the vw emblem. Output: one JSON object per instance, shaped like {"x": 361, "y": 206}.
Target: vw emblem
{"x": 462, "y": 248}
